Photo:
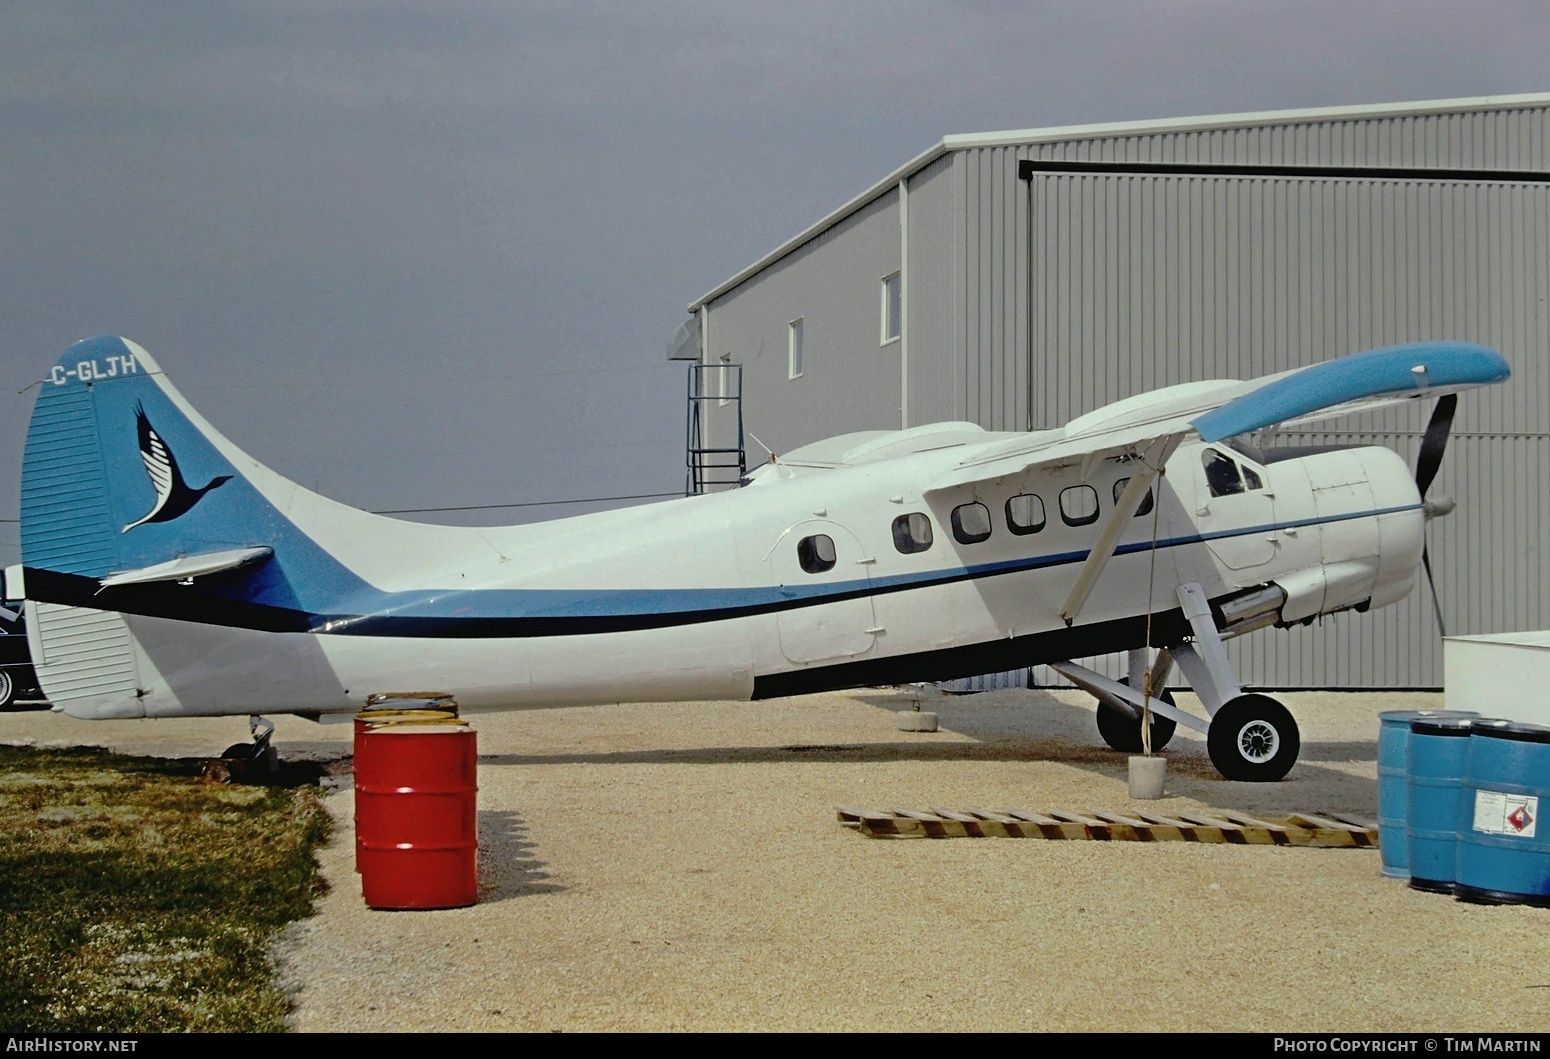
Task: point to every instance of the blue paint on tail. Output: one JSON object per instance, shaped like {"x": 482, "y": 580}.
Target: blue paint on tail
{"x": 116, "y": 477}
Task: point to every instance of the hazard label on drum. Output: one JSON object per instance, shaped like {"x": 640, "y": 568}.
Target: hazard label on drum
{"x": 1498, "y": 813}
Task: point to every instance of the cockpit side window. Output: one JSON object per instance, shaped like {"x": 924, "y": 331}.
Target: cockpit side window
{"x": 1222, "y": 475}
{"x": 1226, "y": 476}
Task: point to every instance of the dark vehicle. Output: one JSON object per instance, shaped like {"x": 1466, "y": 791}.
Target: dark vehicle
{"x": 17, "y": 679}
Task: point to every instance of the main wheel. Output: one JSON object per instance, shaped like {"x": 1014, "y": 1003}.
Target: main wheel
{"x": 1124, "y": 734}
{"x": 7, "y": 690}
{"x": 1253, "y": 738}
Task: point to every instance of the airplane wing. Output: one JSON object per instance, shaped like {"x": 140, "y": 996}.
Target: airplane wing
{"x": 1229, "y": 407}
{"x": 1149, "y": 427}
{"x": 1356, "y": 383}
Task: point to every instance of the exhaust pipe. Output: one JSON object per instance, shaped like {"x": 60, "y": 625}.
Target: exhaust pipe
{"x": 1250, "y": 611}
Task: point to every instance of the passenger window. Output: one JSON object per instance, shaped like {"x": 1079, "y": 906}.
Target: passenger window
{"x": 971, "y": 523}
{"x": 816, "y": 553}
{"x": 1079, "y": 505}
{"x": 1221, "y": 474}
{"x": 1251, "y": 479}
{"x": 1144, "y": 508}
{"x": 912, "y": 533}
{"x": 1025, "y": 513}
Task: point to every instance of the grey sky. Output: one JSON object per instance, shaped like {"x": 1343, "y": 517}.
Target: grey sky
{"x": 418, "y": 255}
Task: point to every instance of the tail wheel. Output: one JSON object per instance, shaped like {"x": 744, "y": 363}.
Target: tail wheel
{"x": 7, "y": 690}
{"x": 1253, "y": 738}
{"x": 1124, "y": 734}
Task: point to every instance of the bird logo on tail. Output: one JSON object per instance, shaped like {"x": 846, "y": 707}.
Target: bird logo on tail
{"x": 173, "y": 495}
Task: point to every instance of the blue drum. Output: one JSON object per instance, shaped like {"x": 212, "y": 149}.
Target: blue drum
{"x": 1504, "y": 850}
{"x": 1393, "y": 777}
{"x": 1438, "y": 752}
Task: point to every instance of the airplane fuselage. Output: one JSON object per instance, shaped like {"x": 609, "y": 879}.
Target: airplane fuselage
{"x": 802, "y": 581}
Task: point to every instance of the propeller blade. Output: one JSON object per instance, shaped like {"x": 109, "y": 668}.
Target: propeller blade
{"x": 1426, "y": 561}
{"x": 1432, "y": 444}
{"x": 1427, "y": 463}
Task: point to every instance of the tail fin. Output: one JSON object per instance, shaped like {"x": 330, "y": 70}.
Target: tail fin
{"x": 133, "y": 504}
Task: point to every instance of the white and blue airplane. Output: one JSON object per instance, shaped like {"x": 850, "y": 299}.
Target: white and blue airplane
{"x": 169, "y": 574}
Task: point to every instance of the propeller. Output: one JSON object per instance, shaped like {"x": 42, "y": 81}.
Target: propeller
{"x": 1426, "y": 466}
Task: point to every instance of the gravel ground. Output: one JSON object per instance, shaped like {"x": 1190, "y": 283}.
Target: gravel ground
{"x": 680, "y": 867}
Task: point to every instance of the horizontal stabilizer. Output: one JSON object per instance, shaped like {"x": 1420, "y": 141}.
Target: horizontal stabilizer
{"x": 187, "y": 567}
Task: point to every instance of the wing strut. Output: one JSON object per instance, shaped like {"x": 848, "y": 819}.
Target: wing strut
{"x": 1152, "y": 460}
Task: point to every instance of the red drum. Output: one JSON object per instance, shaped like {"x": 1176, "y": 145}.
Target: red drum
{"x": 416, "y": 824}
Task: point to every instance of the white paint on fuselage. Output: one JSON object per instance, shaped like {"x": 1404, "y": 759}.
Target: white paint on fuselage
{"x": 746, "y": 538}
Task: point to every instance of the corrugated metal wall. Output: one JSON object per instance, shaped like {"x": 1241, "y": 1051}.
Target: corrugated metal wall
{"x": 1144, "y": 281}
{"x": 834, "y": 284}
{"x": 1137, "y": 281}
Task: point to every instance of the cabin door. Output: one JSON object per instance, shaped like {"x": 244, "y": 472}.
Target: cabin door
{"x": 1234, "y": 512}
{"x": 824, "y": 589}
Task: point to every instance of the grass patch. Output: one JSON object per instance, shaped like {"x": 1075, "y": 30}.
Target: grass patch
{"x": 134, "y": 898}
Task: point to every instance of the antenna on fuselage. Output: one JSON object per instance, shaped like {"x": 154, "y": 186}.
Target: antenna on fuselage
{"x": 773, "y": 458}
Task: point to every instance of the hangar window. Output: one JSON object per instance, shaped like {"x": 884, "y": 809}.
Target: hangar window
{"x": 723, "y": 380}
{"x": 912, "y": 533}
{"x": 794, "y": 348}
{"x": 971, "y": 523}
{"x": 892, "y": 318}
{"x": 1143, "y": 508}
{"x": 1025, "y": 513}
{"x": 1224, "y": 477}
{"x": 1079, "y": 505}
{"x": 816, "y": 553}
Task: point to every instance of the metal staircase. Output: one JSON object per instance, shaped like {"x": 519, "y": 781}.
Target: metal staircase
{"x": 715, "y": 456}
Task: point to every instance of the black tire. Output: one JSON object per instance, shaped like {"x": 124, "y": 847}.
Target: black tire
{"x": 1124, "y": 734}
{"x": 7, "y": 690}
{"x": 239, "y": 752}
{"x": 1253, "y": 738}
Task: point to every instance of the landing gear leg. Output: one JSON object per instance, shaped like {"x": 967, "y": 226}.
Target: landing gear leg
{"x": 1123, "y": 732}
{"x": 1120, "y": 703}
{"x": 258, "y": 752}
{"x": 1252, "y": 737}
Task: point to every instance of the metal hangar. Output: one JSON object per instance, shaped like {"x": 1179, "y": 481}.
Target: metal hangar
{"x": 1019, "y": 279}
